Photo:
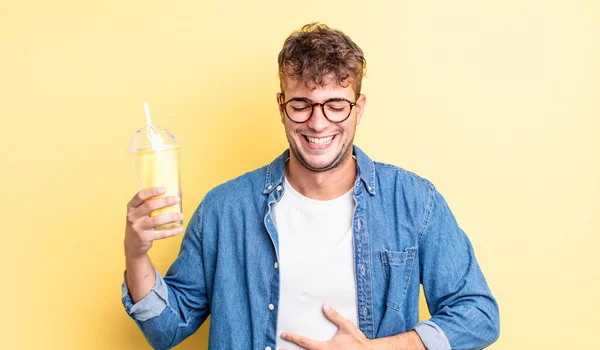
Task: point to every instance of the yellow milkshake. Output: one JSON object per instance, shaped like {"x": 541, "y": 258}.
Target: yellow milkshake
{"x": 159, "y": 168}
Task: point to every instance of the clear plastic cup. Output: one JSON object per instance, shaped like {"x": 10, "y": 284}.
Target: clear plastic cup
{"x": 154, "y": 153}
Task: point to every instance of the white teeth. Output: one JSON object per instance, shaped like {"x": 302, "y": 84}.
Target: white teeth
{"x": 320, "y": 141}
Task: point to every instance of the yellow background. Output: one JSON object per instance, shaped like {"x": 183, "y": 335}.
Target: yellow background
{"x": 496, "y": 102}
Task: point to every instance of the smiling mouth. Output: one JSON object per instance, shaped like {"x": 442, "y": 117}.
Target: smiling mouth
{"x": 319, "y": 141}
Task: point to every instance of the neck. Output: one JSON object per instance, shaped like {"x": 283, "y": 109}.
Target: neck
{"x": 324, "y": 185}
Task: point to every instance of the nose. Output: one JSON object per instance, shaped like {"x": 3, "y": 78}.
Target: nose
{"x": 317, "y": 121}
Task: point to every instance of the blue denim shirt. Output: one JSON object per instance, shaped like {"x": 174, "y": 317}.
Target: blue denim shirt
{"x": 404, "y": 235}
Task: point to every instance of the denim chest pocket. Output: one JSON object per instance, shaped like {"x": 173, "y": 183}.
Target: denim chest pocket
{"x": 397, "y": 269}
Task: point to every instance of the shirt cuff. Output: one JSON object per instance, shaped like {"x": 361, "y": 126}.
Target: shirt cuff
{"x": 432, "y": 336}
{"x": 149, "y": 306}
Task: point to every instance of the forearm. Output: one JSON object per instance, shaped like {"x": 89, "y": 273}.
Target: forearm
{"x": 403, "y": 341}
{"x": 140, "y": 277}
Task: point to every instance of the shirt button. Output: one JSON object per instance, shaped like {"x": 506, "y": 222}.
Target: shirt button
{"x": 279, "y": 188}
{"x": 270, "y": 187}
{"x": 268, "y": 348}
{"x": 362, "y": 270}
{"x": 271, "y": 307}
{"x": 365, "y": 311}
{"x": 358, "y": 224}
{"x": 276, "y": 265}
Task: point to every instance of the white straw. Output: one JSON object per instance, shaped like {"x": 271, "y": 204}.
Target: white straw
{"x": 147, "y": 111}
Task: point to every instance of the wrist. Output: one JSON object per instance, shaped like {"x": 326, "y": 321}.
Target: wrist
{"x": 403, "y": 341}
{"x": 133, "y": 252}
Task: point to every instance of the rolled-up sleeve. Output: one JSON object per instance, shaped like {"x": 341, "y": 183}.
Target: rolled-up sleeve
{"x": 149, "y": 306}
{"x": 432, "y": 336}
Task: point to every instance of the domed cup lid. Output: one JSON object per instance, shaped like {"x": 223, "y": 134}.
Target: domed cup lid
{"x": 152, "y": 138}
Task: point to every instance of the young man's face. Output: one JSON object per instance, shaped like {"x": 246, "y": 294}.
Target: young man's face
{"x": 318, "y": 144}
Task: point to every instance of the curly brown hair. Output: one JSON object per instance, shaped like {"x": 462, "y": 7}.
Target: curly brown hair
{"x": 318, "y": 55}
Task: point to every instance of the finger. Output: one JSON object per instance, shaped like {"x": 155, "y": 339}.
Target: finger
{"x": 143, "y": 195}
{"x": 335, "y": 317}
{"x": 156, "y": 203}
{"x": 155, "y": 221}
{"x": 302, "y": 341}
{"x": 162, "y": 234}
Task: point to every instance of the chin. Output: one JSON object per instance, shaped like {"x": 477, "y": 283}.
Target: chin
{"x": 321, "y": 163}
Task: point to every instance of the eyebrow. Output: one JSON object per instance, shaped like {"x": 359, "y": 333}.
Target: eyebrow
{"x": 308, "y": 99}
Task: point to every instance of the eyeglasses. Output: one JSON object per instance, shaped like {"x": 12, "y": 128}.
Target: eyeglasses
{"x": 336, "y": 110}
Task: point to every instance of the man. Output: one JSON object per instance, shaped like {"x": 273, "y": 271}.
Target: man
{"x": 321, "y": 249}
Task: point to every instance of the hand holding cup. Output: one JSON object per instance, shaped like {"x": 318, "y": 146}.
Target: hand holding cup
{"x": 141, "y": 228}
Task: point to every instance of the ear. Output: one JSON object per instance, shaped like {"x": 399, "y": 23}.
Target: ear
{"x": 360, "y": 107}
{"x": 281, "y": 111}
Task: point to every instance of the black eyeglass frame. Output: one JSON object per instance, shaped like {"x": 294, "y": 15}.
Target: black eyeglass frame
{"x": 312, "y": 108}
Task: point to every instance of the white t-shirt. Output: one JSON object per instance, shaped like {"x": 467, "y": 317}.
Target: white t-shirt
{"x": 316, "y": 262}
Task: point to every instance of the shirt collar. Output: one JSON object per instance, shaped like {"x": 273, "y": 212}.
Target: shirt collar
{"x": 366, "y": 171}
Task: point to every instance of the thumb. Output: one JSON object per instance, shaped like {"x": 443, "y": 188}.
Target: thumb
{"x": 335, "y": 317}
